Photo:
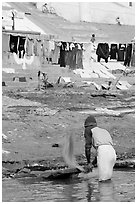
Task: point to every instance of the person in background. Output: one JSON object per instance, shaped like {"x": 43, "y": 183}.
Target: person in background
{"x": 101, "y": 140}
{"x": 118, "y": 21}
{"x": 92, "y": 38}
{"x": 93, "y": 47}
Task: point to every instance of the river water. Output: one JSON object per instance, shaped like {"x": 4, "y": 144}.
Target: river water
{"x": 78, "y": 189}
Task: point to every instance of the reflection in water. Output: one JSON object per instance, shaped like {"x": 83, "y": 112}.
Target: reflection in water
{"x": 106, "y": 191}
{"x": 68, "y": 191}
{"x": 120, "y": 189}
{"x": 90, "y": 192}
{"x": 103, "y": 191}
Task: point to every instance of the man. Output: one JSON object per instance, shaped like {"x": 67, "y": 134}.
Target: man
{"x": 101, "y": 140}
{"x": 118, "y": 21}
{"x": 93, "y": 38}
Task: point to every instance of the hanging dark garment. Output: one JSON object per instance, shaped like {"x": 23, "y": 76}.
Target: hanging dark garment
{"x": 128, "y": 55}
{"x": 113, "y": 51}
{"x": 13, "y": 43}
{"x": 72, "y": 64}
{"x": 63, "y": 54}
{"x": 133, "y": 56}
{"x": 21, "y": 46}
{"x": 70, "y": 59}
{"x": 121, "y": 52}
{"x": 67, "y": 57}
{"x": 79, "y": 63}
{"x": 102, "y": 51}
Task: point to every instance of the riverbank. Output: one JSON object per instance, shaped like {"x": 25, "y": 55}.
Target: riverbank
{"x": 35, "y": 123}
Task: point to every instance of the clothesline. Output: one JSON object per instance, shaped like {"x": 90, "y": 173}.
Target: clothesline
{"x": 74, "y": 54}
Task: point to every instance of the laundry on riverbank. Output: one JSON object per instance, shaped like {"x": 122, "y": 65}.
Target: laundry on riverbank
{"x": 45, "y": 111}
{"x": 19, "y": 79}
{"x": 123, "y": 85}
{"x": 8, "y": 70}
{"x": 96, "y": 70}
{"x": 106, "y": 111}
{"x": 114, "y": 66}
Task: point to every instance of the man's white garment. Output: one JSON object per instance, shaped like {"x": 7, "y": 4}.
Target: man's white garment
{"x": 106, "y": 155}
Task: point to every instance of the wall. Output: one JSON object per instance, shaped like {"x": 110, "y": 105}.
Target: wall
{"x": 100, "y": 12}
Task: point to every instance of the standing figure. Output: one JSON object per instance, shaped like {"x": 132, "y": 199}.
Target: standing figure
{"x": 93, "y": 38}
{"x": 101, "y": 140}
{"x": 118, "y": 21}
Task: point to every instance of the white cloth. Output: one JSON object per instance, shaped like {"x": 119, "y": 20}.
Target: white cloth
{"x": 106, "y": 159}
{"x": 71, "y": 46}
{"x": 51, "y": 45}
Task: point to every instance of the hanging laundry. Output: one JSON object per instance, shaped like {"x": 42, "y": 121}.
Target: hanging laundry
{"x": 72, "y": 64}
{"x": 45, "y": 49}
{"x": 56, "y": 54}
{"x": 113, "y": 51}
{"x": 79, "y": 57}
{"x": 86, "y": 58}
{"x": 13, "y": 43}
{"x": 133, "y": 55}
{"x": 30, "y": 47}
{"x": 51, "y": 45}
{"x": 121, "y": 52}
{"x": 102, "y": 51}
{"x": 37, "y": 47}
{"x": 51, "y": 49}
{"x": 5, "y": 42}
{"x": 21, "y": 48}
{"x": 67, "y": 54}
{"x": 128, "y": 55}
{"x": 62, "y": 54}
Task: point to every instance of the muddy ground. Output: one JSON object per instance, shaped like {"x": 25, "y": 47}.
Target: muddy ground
{"x": 35, "y": 123}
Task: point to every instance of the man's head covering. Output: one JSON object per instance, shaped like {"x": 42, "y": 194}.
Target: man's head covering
{"x": 90, "y": 121}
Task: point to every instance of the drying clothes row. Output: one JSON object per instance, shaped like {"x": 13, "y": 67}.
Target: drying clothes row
{"x": 120, "y": 52}
{"x": 123, "y": 52}
{"x": 71, "y": 55}
{"x": 30, "y": 46}
{"x": 12, "y": 43}
{"x": 75, "y": 55}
